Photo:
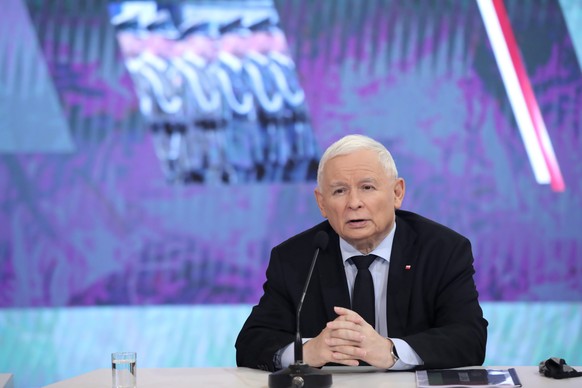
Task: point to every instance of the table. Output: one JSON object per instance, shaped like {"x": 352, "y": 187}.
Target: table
{"x": 244, "y": 377}
{"x": 6, "y": 380}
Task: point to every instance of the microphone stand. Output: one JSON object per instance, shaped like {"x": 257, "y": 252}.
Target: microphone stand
{"x": 299, "y": 374}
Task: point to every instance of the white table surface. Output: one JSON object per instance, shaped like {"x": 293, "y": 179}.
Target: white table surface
{"x": 244, "y": 377}
{"x": 6, "y": 380}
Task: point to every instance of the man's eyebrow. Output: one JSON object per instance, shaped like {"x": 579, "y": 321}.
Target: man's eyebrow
{"x": 337, "y": 184}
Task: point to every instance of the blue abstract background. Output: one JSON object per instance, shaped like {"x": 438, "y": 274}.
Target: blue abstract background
{"x": 98, "y": 253}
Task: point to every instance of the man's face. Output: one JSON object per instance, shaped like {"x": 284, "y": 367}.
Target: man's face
{"x": 359, "y": 198}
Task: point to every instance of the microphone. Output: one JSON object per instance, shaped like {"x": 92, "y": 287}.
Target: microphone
{"x": 320, "y": 243}
{"x": 299, "y": 374}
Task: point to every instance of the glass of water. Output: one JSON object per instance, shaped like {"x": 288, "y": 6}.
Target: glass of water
{"x": 123, "y": 369}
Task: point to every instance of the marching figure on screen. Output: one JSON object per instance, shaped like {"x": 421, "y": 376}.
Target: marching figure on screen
{"x": 244, "y": 146}
{"x": 203, "y": 104}
{"x": 268, "y": 100}
{"x": 303, "y": 158}
{"x": 132, "y": 40}
{"x": 161, "y": 103}
{"x": 146, "y": 54}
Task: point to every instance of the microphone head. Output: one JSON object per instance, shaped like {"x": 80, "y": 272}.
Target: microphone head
{"x": 321, "y": 239}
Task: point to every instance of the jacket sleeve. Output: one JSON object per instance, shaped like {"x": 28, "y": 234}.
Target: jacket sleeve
{"x": 271, "y": 324}
{"x": 454, "y": 332}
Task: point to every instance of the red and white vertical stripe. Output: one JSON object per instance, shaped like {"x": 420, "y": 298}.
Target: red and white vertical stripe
{"x": 521, "y": 97}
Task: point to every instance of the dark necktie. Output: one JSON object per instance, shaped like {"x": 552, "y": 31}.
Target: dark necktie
{"x": 363, "y": 301}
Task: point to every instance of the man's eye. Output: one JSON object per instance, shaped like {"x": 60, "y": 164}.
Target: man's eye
{"x": 368, "y": 187}
{"x": 338, "y": 191}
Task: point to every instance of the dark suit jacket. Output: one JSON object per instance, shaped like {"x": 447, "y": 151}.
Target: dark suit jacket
{"x": 432, "y": 305}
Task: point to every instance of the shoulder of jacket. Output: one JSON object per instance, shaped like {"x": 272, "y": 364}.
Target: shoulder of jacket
{"x": 423, "y": 226}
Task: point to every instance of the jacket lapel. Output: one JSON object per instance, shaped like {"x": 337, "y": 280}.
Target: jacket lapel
{"x": 332, "y": 276}
{"x": 403, "y": 261}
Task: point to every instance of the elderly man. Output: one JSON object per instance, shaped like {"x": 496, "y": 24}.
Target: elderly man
{"x": 425, "y": 313}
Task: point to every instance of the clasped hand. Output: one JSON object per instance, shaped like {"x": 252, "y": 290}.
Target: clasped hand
{"x": 347, "y": 340}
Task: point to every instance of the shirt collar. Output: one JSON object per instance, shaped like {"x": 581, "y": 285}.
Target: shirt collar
{"x": 383, "y": 250}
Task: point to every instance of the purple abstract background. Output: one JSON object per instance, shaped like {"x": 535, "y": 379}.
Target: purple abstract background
{"x": 97, "y": 224}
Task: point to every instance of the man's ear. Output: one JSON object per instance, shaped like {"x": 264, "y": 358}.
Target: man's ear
{"x": 399, "y": 191}
{"x": 319, "y": 199}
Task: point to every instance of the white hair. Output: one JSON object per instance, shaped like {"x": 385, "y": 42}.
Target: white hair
{"x": 352, "y": 143}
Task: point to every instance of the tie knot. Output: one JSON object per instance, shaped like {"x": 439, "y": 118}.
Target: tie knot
{"x": 363, "y": 262}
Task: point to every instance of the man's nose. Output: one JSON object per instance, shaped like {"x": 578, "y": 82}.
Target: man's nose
{"x": 354, "y": 200}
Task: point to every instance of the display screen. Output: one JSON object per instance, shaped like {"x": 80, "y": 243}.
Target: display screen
{"x": 178, "y": 143}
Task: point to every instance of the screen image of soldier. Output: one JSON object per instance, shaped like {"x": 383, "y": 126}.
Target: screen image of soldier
{"x": 157, "y": 83}
{"x": 303, "y": 156}
{"x": 244, "y": 143}
{"x": 268, "y": 100}
{"x": 204, "y": 109}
